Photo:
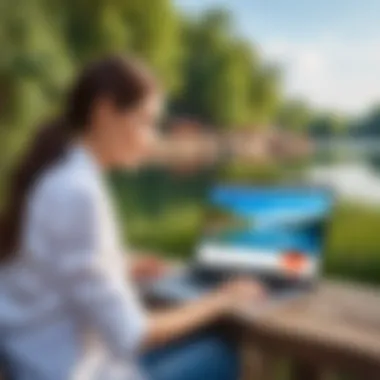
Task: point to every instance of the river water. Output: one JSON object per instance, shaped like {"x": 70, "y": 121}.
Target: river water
{"x": 358, "y": 182}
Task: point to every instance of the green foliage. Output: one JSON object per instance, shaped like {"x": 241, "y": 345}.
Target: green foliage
{"x": 353, "y": 246}
{"x": 326, "y": 125}
{"x": 295, "y": 115}
{"x": 225, "y": 82}
{"x": 298, "y": 116}
{"x": 369, "y": 125}
{"x": 172, "y": 232}
{"x": 148, "y": 29}
{"x": 246, "y": 172}
{"x": 33, "y": 68}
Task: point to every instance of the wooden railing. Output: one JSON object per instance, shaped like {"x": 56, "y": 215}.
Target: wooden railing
{"x": 334, "y": 330}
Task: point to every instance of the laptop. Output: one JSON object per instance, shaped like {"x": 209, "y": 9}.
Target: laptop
{"x": 274, "y": 234}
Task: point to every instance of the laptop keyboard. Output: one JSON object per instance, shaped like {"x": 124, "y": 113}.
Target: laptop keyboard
{"x": 210, "y": 280}
{"x": 207, "y": 279}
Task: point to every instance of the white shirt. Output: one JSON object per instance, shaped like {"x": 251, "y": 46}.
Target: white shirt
{"x": 66, "y": 308}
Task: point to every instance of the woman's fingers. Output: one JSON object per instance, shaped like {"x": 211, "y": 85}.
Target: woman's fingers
{"x": 242, "y": 291}
{"x": 147, "y": 267}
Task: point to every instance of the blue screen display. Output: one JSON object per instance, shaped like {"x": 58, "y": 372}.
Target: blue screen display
{"x": 273, "y": 228}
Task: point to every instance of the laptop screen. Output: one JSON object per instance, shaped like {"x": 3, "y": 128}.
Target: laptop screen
{"x": 270, "y": 230}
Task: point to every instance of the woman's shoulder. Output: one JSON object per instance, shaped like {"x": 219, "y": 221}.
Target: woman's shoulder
{"x": 62, "y": 185}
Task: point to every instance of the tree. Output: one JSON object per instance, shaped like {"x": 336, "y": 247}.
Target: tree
{"x": 150, "y": 29}
{"x": 32, "y": 70}
{"x": 295, "y": 115}
{"x": 225, "y": 83}
{"x": 266, "y": 94}
{"x": 326, "y": 125}
{"x": 370, "y": 125}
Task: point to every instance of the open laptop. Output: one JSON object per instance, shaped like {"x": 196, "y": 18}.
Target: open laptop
{"x": 276, "y": 234}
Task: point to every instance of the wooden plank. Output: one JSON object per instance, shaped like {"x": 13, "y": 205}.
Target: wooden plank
{"x": 336, "y": 327}
{"x": 307, "y": 371}
{"x": 248, "y": 361}
{"x": 344, "y": 316}
{"x": 257, "y": 364}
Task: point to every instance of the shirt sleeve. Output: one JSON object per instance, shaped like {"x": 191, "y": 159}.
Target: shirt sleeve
{"x": 68, "y": 229}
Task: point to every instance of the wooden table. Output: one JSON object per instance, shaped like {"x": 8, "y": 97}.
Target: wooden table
{"x": 337, "y": 328}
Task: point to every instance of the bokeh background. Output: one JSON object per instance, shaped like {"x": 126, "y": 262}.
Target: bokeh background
{"x": 223, "y": 87}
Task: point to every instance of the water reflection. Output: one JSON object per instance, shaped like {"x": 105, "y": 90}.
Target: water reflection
{"x": 351, "y": 168}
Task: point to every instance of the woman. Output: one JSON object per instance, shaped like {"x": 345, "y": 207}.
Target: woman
{"x": 67, "y": 310}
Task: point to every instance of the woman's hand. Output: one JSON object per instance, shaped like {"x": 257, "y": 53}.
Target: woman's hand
{"x": 239, "y": 293}
{"x": 145, "y": 267}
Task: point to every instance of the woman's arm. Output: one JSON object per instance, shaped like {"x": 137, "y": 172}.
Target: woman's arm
{"x": 169, "y": 325}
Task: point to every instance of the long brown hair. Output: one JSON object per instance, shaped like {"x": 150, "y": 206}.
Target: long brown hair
{"x": 123, "y": 80}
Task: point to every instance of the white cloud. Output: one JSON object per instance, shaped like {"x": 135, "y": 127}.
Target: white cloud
{"x": 330, "y": 74}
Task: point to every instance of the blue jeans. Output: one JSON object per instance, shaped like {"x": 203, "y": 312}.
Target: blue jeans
{"x": 206, "y": 357}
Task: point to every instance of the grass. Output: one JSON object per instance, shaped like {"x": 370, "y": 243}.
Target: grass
{"x": 172, "y": 232}
{"x": 353, "y": 244}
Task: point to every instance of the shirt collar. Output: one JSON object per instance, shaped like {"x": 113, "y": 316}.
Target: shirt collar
{"x": 84, "y": 157}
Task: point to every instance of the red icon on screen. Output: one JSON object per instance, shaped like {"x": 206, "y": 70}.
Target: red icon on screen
{"x": 294, "y": 261}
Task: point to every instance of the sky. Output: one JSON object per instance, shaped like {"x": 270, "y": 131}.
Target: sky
{"x": 329, "y": 50}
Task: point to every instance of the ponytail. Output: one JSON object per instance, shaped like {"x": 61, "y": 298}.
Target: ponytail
{"x": 48, "y": 146}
